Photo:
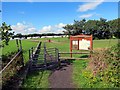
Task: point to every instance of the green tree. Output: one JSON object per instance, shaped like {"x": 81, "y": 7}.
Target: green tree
{"x": 100, "y": 29}
{"x": 5, "y": 33}
{"x": 75, "y": 29}
{"x": 115, "y": 30}
{"x": 69, "y": 29}
{"x": 79, "y": 27}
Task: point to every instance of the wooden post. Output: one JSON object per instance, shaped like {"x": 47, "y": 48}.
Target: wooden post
{"x": 20, "y": 44}
{"x": 78, "y": 44}
{"x": 58, "y": 59}
{"x": 32, "y": 53}
{"x": 91, "y": 43}
{"x": 45, "y": 55}
{"x": 17, "y": 44}
{"x": 29, "y": 55}
{"x": 71, "y": 46}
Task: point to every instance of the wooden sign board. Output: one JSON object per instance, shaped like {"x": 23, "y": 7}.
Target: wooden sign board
{"x": 81, "y": 42}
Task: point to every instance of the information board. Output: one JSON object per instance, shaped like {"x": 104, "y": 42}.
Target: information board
{"x": 84, "y": 44}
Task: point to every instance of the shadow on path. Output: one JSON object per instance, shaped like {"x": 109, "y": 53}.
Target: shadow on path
{"x": 62, "y": 77}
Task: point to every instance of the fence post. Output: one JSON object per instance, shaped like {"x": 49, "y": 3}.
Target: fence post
{"x": 29, "y": 55}
{"x": 20, "y": 48}
{"x": 32, "y": 52}
{"x": 17, "y": 44}
{"x": 45, "y": 55}
{"x": 20, "y": 44}
{"x": 58, "y": 59}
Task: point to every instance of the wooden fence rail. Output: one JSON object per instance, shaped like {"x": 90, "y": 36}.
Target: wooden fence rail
{"x": 13, "y": 66}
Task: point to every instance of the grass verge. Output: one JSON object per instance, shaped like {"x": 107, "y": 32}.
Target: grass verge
{"x": 37, "y": 79}
{"x": 78, "y": 67}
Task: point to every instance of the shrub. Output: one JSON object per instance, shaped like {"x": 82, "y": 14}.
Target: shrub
{"x": 104, "y": 68}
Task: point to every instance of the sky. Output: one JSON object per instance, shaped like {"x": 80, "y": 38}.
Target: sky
{"x": 49, "y": 17}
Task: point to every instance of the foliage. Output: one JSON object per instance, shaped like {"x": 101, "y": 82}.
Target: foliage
{"x": 104, "y": 69}
{"x": 76, "y": 28}
{"x": 5, "y": 33}
{"x": 100, "y": 29}
{"x": 12, "y": 69}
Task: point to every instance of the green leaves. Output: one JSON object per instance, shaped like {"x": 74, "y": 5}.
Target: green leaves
{"x": 100, "y": 29}
{"x": 5, "y": 33}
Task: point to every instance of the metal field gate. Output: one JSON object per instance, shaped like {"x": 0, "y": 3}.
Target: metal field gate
{"x": 43, "y": 58}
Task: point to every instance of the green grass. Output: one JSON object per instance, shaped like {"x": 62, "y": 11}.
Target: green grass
{"x": 26, "y": 46}
{"x": 78, "y": 67}
{"x": 106, "y": 43}
{"x": 37, "y": 79}
{"x": 12, "y": 47}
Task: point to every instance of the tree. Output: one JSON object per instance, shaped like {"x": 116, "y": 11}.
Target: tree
{"x": 79, "y": 27}
{"x": 75, "y": 29}
{"x": 6, "y": 33}
{"x": 19, "y": 35}
{"x": 104, "y": 29}
{"x": 69, "y": 29}
{"x": 100, "y": 29}
{"x": 115, "y": 30}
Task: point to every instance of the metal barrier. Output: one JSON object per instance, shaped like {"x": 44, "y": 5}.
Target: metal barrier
{"x": 43, "y": 57}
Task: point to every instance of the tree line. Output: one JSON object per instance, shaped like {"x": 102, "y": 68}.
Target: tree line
{"x": 100, "y": 29}
{"x": 19, "y": 35}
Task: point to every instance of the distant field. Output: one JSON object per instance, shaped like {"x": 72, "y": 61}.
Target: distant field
{"x": 63, "y": 44}
{"x": 106, "y": 43}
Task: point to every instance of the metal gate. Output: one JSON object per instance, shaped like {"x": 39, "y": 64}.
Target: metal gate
{"x": 43, "y": 57}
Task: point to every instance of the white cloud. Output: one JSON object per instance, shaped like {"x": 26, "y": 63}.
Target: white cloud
{"x": 23, "y": 28}
{"x": 46, "y": 29}
{"x": 53, "y": 29}
{"x": 60, "y": 25}
{"x": 86, "y": 16}
{"x": 89, "y": 15}
{"x": 89, "y": 6}
{"x": 26, "y": 28}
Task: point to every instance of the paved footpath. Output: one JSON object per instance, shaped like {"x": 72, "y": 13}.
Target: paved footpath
{"x": 61, "y": 78}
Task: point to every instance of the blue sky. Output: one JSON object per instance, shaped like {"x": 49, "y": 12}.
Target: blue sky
{"x": 50, "y": 17}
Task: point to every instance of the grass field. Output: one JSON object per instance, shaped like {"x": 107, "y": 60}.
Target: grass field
{"x": 12, "y": 47}
{"x": 63, "y": 45}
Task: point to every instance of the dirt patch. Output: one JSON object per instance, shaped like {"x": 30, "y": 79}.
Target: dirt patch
{"x": 62, "y": 78}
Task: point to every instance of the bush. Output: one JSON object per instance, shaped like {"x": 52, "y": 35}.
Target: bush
{"x": 104, "y": 69}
